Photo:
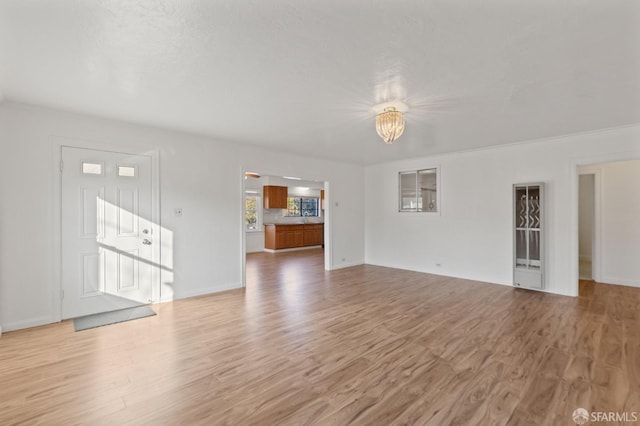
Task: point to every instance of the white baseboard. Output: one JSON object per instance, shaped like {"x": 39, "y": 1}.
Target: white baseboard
{"x": 619, "y": 281}
{"x": 449, "y": 274}
{"x": 28, "y": 323}
{"x": 346, "y": 265}
{"x": 200, "y": 292}
{"x": 485, "y": 280}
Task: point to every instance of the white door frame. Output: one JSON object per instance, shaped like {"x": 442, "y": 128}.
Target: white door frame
{"x": 57, "y": 144}
{"x": 574, "y": 219}
{"x": 328, "y": 215}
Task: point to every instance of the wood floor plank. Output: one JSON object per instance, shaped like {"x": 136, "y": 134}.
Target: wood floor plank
{"x": 360, "y": 345}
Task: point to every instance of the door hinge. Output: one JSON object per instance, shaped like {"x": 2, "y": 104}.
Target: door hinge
{"x": 61, "y": 165}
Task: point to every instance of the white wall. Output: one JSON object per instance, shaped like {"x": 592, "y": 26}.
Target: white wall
{"x": 586, "y": 212}
{"x": 254, "y": 242}
{"x": 620, "y": 223}
{"x": 471, "y": 237}
{"x": 202, "y": 250}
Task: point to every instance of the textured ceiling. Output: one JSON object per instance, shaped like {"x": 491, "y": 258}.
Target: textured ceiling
{"x": 305, "y": 76}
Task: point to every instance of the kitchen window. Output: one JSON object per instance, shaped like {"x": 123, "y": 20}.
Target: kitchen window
{"x": 303, "y": 206}
{"x": 252, "y": 213}
{"x": 418, "y": 191}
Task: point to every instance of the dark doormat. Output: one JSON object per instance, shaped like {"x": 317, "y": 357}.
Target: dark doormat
{"x": 106, "y": 318}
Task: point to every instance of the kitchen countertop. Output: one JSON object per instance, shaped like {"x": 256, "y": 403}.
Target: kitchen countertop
{"x": 294, "y": 223}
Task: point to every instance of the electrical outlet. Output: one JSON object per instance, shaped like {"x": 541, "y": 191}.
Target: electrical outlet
{"x": 178, "y": 211}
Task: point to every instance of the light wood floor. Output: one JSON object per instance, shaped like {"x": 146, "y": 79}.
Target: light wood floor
{"x": 362, "y": 345}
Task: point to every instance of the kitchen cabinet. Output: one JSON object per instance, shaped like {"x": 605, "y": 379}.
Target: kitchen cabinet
{"x": 322, "y": 199}
{"x": 278, "y": 237}
{"x": 313, "y": 234}
{"x": 294, "y": 238}
{"x": 274, "y": 197}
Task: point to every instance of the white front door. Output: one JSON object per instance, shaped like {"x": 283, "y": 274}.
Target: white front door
{"x": 106, "y": 231}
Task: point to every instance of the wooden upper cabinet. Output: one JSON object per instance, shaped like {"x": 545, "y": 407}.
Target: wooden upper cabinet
{"x": 274, "y": 197}
{"x": 322, "y": 199}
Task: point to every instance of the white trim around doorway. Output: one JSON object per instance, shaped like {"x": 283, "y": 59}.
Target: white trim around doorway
{"x": 328, "y": 216}
{"x": 57, "y": 143}
{"x": 591, "y": 164}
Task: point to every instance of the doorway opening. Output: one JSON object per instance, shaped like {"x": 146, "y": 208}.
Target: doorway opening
{"x": 285, "y": 229}
{"x": 586, "y": 224}
{"x": 608, "y": 230}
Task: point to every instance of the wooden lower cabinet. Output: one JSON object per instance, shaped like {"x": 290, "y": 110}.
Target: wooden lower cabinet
{"x": 293, "y": 238}
{"x": 276, "y": 241}
{"x": 313, "y": 235}
{"x": 278, "y": 237}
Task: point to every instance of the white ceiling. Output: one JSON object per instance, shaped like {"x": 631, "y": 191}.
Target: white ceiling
{"x": 304, "y": 76}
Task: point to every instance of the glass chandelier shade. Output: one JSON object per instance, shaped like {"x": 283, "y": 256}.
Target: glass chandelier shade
{"x": 390, "y": 124}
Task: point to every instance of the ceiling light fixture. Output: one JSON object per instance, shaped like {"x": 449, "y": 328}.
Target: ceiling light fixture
{"x": 251, "y": 175}
{"x": 390, "y": 124}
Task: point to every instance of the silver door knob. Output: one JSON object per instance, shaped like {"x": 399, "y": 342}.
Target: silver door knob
{"x": 146, "y": 242}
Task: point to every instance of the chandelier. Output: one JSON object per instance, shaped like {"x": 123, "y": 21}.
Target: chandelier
{"x": 390, "y": 124}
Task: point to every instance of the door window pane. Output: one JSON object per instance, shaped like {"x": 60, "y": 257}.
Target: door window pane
{"x": 126, "y": 171}
{"x": 91, "y": 168}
